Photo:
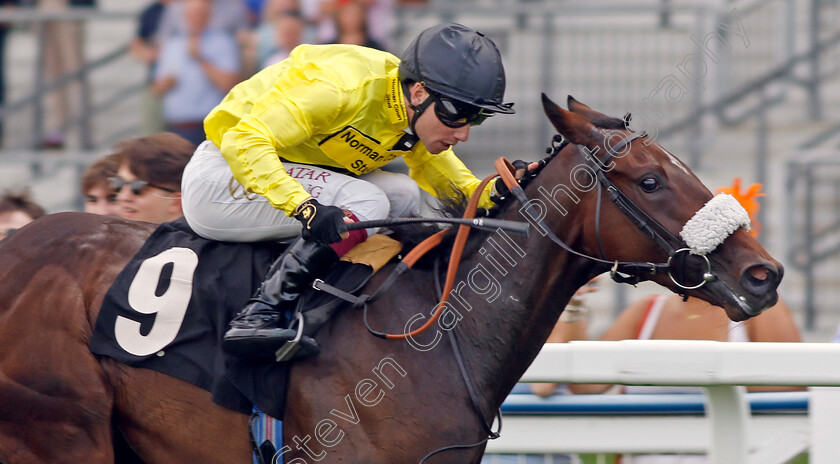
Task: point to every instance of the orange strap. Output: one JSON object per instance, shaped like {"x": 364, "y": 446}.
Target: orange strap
{"x": 454, "y": 259}
{"x": 423, "y": 247}
{"x": 506, "y": 172}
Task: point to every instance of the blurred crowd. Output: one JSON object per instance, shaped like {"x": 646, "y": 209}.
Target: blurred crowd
{"x": 197, "y": 50}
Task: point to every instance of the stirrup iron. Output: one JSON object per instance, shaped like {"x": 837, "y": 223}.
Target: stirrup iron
{"x": 288, "y": 350}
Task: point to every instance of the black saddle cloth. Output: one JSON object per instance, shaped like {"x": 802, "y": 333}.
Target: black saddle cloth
{"x": 171, "y": 305}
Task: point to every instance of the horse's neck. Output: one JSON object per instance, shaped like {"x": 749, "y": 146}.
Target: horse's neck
{"x": 514, "y": 289}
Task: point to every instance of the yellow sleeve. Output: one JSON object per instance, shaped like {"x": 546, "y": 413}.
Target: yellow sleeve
{"x": 437, "y": 174}
{"x": 279, "y": 119}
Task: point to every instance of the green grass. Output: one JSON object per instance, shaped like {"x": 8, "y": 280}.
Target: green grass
{"x": 592, "y": 459}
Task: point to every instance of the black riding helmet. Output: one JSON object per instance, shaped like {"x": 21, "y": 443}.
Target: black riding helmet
{"x": 457, "y": 62}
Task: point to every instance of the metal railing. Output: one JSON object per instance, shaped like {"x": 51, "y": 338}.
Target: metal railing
{"x": 108, "y": 81}
{"x": 663, "y": 61}
{"x": 728, "y": 434}
{"x": 812, "y": 209}
{"x": 92, "y": 102}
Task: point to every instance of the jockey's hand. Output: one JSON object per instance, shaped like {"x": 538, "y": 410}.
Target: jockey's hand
{"x": 322, "y": 223}
{"x": 524, "y": 172}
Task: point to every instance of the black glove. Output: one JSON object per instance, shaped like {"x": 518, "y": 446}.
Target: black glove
{"x": 518, "y": 166}
{"x": 499, "y": 192}
{"x": 522, "y": 175}
{"x": 322, "y": 223}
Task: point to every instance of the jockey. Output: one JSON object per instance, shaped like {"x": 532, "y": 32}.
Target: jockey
{"x": 295, "y": 150}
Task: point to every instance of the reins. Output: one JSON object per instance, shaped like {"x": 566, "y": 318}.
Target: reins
{"x": 454, "y": 262}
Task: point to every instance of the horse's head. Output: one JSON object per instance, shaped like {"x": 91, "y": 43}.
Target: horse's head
{"x": 635, "y": 199}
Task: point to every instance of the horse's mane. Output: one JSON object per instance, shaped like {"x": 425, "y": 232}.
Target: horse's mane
{"x": 450, "y": 204}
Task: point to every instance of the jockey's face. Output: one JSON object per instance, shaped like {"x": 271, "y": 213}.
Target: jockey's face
{"x": 101, "y": 200}
{"x": 434, "y": 134}
{"x": 151, "y": 204}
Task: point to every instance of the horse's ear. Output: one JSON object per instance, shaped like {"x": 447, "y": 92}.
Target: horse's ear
{"x": 600, "y": 119}
{"x": 575, "y": 128}
{"x": 575, "y": 106}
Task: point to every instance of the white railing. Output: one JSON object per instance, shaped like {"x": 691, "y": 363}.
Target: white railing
{"x": 728, "y": 433}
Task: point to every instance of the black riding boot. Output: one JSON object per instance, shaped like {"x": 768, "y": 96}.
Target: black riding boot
{"x": 257, "y": 329}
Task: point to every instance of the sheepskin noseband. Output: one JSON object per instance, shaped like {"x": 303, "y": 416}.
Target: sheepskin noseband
{"x": 712, "y": 223}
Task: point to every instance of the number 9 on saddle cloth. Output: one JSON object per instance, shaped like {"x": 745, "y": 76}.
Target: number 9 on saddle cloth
{"x": 170, "y": 306}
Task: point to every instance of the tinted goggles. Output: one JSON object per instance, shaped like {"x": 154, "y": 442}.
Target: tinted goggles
{"x": 137, "y": 186}
{"x": 454, "y": 113}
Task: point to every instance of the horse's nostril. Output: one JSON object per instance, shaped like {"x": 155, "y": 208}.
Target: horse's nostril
{"x": 760, "y": 278}
{"x": 759, "y": 272}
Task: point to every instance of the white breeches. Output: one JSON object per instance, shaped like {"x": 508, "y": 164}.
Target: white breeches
{"x": 217, "y": 207}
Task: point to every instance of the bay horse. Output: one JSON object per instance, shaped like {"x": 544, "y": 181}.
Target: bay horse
{"x": 363, "y": 399}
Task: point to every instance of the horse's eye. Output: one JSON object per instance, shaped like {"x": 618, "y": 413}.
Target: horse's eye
{"x": 649, "y": 184}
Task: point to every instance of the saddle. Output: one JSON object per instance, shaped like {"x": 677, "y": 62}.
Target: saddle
{"x": 170, "y": 306}
{"x": 334, "y": 290}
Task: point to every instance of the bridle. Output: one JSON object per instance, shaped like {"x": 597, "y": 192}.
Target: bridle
{"x": 621, "y": 271}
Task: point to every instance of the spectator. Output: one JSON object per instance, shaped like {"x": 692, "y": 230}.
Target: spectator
{"x": 229, "y": 16}
{"x": 352, "y": 26}
{"x": 63, "y": 54}
{"x": 151, "y": 168}
{"x": 145, "y": 47}
{"x": 5, "y": 5}
{"x": 255, "y": 10}
{"x": 280, "y": 30}
{"x": 195, "y": 71}
{"x": 16, "y": 210}
{"x": 96, "y": 187}
{"x": 288, "y": 34}
{"x": 321, "y": 15}
{"x": 380, "y": 20}
{"x": 318, "y": 16}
